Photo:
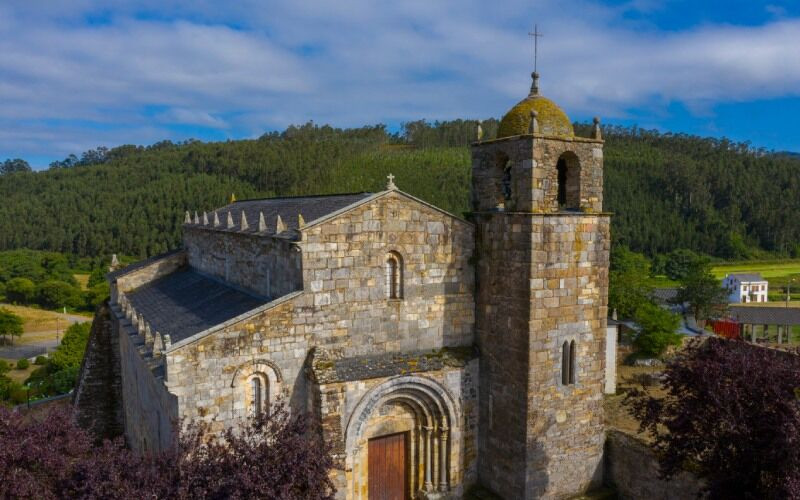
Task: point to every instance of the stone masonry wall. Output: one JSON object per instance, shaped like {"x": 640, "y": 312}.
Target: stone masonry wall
{"x": 150, "y": 272}
{"x": 534, "y": 177}
{"x": 149, "y": 410}
{"x": 543, "y": 279}
{"x": 98, "y": 394}
{"x": 632, "y": 469}
{"x": 264, "y": 265}
{"x": 344, "y": 279}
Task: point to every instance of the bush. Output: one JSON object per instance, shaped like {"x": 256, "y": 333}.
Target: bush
{"x": 23, "y": 364}
{"x": 40, "y": 360}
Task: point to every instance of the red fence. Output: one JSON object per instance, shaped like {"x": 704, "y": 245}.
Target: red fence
{"x": 726, "y": 328}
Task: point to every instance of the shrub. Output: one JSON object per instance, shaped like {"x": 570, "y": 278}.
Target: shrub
{"x": 23, "y": 364}
{"x": 40, "y": 360}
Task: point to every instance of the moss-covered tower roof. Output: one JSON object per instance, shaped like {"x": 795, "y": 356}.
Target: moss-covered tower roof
{"x": 551, "y": 119}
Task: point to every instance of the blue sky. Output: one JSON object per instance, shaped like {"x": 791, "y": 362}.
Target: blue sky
{"x": 81, "y": 74}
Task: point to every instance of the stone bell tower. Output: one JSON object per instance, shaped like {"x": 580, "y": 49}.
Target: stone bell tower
{"x": 543, "y": 247}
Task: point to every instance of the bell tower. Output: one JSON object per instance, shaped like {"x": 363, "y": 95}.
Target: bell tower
{"x": 543, "y": 247}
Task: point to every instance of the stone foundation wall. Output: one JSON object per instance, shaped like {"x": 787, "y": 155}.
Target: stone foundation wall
{"x": 631, "y": 468}
{"x": 265, "y": 265}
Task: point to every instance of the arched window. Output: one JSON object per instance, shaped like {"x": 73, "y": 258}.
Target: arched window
{"x": 568, "y": 366}
{"x": 259, "y": 395}
{"x": 568, "y": 182}
{"x": 394, "y": 276}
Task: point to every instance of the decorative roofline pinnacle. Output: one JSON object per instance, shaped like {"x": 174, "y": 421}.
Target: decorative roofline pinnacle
{"x": 390, "y": 186}
{"x": 262, "y": 223}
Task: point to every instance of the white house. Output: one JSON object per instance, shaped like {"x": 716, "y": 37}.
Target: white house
{"x": 745, "y": 288}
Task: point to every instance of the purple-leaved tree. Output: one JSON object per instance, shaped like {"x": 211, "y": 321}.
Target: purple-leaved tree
{"x": 732, "y": 415}
{"x": 276, "y": 456}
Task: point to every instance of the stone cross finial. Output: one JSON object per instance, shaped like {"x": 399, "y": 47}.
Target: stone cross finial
{"x": 300, "y": 221}
{"x": 216, "y": 219}
{"x": 533, "y": 128}
{"x": 280, "y": 226}
{"x": 196, "y": 218}
{"x": 205, "y": 219}
{"x": 596, "y": 133}
{"x": 230, "y": 221}
{"x": 188, "y": 218}
{"x": 244, "y": 225}
{"x": 262, "y": 223}
{"x": 390, "y": 185}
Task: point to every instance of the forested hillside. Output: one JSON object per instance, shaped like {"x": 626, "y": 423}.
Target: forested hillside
{"x": 668, "y": 191}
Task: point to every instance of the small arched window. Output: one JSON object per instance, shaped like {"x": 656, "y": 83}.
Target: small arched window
{"x": 394, "y": 276}
{"x": 258, "y": 396}
{"x": 568, "y": 366}
{"x": 569, "y": 182}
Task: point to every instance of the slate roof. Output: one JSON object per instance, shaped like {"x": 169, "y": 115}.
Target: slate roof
{"x": 765, "y": 315}
{"x": 185, "y": 303}
{"x": 310, "y": 207}
{"x": 747, "y": 277}
{"x": 665, "y": 295}
{"x": 328, "y": 370}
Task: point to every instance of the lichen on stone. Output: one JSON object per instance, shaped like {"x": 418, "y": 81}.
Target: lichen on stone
{"x": 552, "y": 119}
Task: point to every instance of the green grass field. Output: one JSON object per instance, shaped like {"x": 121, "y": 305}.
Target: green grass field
{"x": 770, "y": 269}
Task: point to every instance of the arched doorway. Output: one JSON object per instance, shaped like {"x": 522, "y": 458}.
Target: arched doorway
{"x": 410, "y": 423}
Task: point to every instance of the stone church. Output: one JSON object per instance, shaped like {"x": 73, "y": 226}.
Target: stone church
{"x": 436, "y": 352}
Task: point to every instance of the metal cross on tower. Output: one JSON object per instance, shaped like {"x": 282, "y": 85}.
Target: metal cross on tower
{"x": 535, "y": 35}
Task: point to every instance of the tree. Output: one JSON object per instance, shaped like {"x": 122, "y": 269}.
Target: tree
{"x": 658, "y": 328}
{"x": 14, "y": 166}
{"x": 10, "y": 324}
{"x": 680, "y": 263}
{"x": 731, "y": 413}
{"x": 703, "y": 292}
{"x": 628, "y": 282}
{"x": 20, "y": 291}
{"x": 277, "y": 455}
{"x": 56, "y": 294}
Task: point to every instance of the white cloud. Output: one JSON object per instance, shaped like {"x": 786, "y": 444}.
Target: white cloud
{"x": 251, "y": 66}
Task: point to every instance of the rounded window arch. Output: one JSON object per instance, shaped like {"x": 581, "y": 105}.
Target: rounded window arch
{"x": 256, "y": 386}
{"x": 504, "y": 182}
{"x": 257, "y": 394}
{"x": 393, "y": 270}
{"x": 568, "y": 182}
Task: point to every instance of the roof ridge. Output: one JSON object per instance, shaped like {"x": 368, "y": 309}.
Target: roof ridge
{"x": 302, "y": 196}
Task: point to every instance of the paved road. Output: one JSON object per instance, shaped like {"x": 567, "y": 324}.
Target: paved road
{"x": 27, "y": 350}
{"x": 32, "y": 349}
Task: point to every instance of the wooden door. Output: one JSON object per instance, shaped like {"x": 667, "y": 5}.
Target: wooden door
{"x": 387, "y": 467}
